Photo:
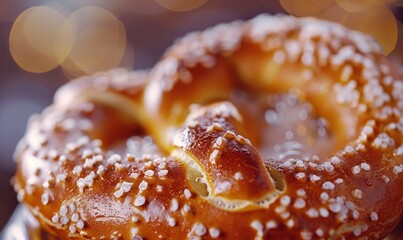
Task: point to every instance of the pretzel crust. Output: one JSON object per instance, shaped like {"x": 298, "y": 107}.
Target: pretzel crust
{"x": 208, "y": 179}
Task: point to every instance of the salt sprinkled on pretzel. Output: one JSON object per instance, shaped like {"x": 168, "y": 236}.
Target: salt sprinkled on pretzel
{"x": 274, "y": 128}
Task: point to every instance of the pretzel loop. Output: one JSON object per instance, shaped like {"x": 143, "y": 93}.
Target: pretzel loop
{"x": 274, "y": 128}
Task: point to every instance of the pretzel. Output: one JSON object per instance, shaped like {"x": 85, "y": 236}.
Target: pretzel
{"x": 273, "y": 128}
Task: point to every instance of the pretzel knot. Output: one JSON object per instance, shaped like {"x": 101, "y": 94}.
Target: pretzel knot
{"x": 274, "y": 128}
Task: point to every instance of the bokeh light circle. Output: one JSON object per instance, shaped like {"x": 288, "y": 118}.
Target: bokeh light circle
{"x": 305, "y": 7}
{"x": 127, "y": 60}
{"x": 100, "y": 41}
{"x": 40, "y": 39}
{"x": 181, "y": 5}
{"x": 359, "y": 5}
{"x": 378, "y": 22}
{"x": 397, "y": 53}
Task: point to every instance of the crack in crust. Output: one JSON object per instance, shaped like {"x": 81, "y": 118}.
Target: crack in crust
{"x": 208, "y": 180}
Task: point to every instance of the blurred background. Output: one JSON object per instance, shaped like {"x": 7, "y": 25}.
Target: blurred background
{"x": 44, "y": 44}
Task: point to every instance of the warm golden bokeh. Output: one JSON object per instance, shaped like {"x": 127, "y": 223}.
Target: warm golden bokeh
{"x": 369, "y": 16}
{"x": 359, "y": 5}
{"x": 378, "y": 22}
{"x": 93, "y": 39}
{"x": 40, "y": 39}
{"x": 304, "y": 8}
{"x": 89, "y": 40}
{"x": 99, "y": 44}
{"x": 397, "y": 53}
{"x": 181, "y": 5}
{"x": 128, "y": 57}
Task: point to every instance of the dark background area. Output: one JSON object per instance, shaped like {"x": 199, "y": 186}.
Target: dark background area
{"x": 23, "y": 93}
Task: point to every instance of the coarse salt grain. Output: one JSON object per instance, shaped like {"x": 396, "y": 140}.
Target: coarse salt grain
{"x": 214, "y": 232}
{"x": 328, "y": 185}
{"x": 187, "y": 193}
{"x": 139, "y": 201}
{"x": 374, "y": 216}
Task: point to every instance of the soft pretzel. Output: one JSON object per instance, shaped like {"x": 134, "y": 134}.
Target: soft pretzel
{"x": 274, "y": 128}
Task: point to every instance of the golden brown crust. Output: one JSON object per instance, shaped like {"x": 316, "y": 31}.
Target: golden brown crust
{"x": 208, "y": 179}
